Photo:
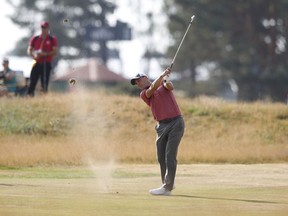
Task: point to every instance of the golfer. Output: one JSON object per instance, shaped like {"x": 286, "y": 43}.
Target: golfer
{"x": 158, "y": 95}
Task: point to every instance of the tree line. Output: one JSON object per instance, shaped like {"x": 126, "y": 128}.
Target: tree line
{"x": 244, "y": 41}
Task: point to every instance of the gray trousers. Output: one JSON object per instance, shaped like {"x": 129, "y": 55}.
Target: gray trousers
{"x": 169, "y": 134}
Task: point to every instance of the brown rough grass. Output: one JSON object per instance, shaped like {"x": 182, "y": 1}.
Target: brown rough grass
{"x": 72, "y": 129}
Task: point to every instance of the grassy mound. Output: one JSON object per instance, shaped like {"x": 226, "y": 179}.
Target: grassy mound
{"x": 80, "y": 127}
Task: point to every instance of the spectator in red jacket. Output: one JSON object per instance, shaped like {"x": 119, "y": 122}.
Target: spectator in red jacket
{"x": 42, "y": 48}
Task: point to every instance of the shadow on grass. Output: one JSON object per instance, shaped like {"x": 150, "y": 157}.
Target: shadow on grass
{"x": 14, "y": 185}
{"x": 230, "y": 199}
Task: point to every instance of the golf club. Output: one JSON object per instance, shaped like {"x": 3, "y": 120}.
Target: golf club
{"x": 182, "y": 41}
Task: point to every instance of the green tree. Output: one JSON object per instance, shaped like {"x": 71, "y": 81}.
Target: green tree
{"x": 245, "y": 39}
{"x": 69, "y": 20}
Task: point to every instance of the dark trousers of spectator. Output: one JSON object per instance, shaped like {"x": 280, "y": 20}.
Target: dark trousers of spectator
{"x": 43, "y": 71}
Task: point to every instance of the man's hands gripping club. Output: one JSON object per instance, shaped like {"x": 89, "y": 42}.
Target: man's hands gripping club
{"x": 158, "y": 81}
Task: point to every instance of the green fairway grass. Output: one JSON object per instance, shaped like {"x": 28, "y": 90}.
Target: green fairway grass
{"x": 111, "y": 189}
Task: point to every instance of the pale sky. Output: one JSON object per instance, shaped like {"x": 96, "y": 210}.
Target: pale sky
{"x": 9, "y": 36}
{"x": 8, "y": 28}
{"x": 130, "y": 51}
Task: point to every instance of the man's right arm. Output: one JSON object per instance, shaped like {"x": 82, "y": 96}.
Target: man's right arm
{"x": 30, "y": 51}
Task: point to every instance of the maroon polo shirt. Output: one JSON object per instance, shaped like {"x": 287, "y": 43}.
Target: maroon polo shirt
{"x": 162, "y": 103}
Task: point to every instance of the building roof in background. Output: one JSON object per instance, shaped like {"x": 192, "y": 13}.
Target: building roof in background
{"x": 92, "y": 71}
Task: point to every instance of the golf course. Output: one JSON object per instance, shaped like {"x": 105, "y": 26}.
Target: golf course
{"x": 111, "y": 189}
{"x": 93, "y": 153}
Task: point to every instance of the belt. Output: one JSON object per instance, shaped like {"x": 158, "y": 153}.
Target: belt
{"x": 165, "y": 121}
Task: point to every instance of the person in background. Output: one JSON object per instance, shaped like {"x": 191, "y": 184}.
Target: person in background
{"x": 3, "y": 88}
{"x": 8, "y": 78}
{"x": 158, "y": 95}
{"x": 42, "y": 48}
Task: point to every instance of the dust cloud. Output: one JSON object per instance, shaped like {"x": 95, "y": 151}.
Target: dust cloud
{"x": 90, "y": 133}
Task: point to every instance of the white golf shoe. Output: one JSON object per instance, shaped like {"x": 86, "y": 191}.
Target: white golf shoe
{"x": 160, "y": 191}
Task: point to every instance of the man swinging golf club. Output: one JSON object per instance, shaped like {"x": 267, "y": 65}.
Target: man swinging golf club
{"x": 158, "y": 95}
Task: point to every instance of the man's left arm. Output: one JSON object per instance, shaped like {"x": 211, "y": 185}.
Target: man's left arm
{"x": 54, "y": 50}
{"x": 157, "y": 82}
{"x": 168, "y": 84}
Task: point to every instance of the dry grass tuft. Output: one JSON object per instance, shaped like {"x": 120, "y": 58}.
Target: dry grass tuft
{"x": 73, "y": 129}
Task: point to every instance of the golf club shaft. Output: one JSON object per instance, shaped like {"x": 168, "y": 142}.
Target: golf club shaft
{"x": 181, "y": 41}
